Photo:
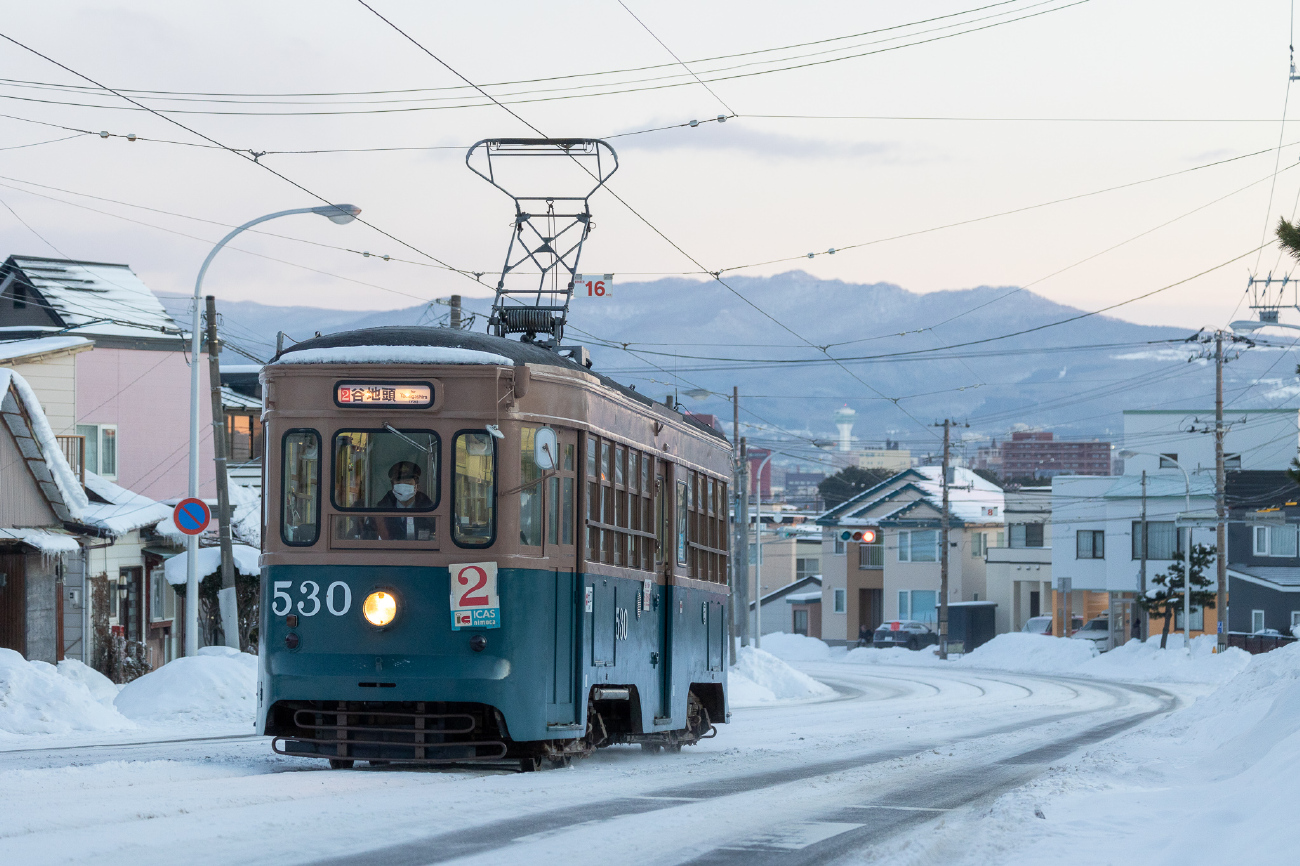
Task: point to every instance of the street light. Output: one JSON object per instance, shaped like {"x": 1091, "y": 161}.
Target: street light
{"x": 1187, "y": 561}
{"x": 335, "y": 213}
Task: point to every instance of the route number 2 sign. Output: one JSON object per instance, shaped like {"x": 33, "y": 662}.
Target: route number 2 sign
{"x": 593, "y": 285}
{"x": 474, "y": 600}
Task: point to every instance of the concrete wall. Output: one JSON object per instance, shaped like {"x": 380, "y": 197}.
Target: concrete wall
{"x": 147, "y": 394}
{"x": 42, "y": 610}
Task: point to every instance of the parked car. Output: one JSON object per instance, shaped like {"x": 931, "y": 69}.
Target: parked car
{"x": 1043, "y": 625}
{"x": 906, "y": 633}
{"x": 1096, "y": 630}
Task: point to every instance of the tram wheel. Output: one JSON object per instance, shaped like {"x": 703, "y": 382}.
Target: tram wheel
{"x": 673, "y": 748}
{"x": 341, "y": 763}
{"x": 560, "y": 763}
{"x": 529, "y": 765}
{"x": 652, "y": 748}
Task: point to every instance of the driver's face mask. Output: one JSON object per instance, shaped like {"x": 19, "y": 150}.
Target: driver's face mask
{"x": 403, "y": 490}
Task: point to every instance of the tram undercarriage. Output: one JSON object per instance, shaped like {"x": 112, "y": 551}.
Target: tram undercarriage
{"x": 431, "y": 733}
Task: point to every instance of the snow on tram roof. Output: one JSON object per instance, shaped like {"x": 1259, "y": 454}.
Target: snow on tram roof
{"x": 393, "y": 355}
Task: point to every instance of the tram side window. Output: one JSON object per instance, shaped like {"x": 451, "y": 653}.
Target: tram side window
{"x": 473, "y": 492}
{"x": 559, "y": 499}
{"x": 683, "y": 508}
{"x": 530, "y": 491}
{"x": 300, "y": 490}
{"x": 619, "y": 505}
{"x": 708, "y": 528}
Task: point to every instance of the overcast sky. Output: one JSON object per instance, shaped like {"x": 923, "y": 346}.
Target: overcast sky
{"x": 748, "y": 190}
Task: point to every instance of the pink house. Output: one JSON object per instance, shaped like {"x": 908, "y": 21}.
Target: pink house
{"x": 132, "y": 390}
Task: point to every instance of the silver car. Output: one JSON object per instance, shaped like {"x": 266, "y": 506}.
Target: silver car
{"x": 1096, "y": 630}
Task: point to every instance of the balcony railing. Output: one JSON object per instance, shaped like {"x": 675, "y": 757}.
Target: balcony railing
{"x": 74, "y": 450}
{"x": 871, "y": 556}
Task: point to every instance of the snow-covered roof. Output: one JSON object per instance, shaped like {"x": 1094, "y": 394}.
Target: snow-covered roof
{"x": 122, "y": 510}
{"x": 971, "y": 499}
{"x": 95, "y": 298}
{"x": 23, "y": 415}
{"x": 232, "y": 399}
{"x": 1280, "y": 578}
{"x": 246, "y": 563}
{"x": 393, "y": 355}
{"x": 43, "y": 540}
{"x": 18, "y": 351}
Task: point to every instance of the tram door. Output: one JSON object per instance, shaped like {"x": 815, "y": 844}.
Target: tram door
{"x": 662, "y": 610}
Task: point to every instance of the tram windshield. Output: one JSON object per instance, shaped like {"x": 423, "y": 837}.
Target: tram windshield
{"x": 386, "y": 470}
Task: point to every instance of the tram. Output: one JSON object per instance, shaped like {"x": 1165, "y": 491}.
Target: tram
{"x": 477, "y": 548}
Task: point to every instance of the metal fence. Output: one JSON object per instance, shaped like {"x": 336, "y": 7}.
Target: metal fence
{"x": 1258, "y": 643}
{"x": 74, "y": 449}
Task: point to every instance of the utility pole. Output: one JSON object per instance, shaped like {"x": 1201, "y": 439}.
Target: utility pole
{"x": 943, "y": 550}
{"x": 1142, "y": 562}
{"x": 742, "y": 544}
{"x": 226, "y": 597}
{"x": 454, "y": 303}
{"x": 1220, "y": 503}
{"x": 735, "y": 490}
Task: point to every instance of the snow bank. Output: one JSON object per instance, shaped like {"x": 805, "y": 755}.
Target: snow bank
{"x": 100, "y": 687}
{"x": 894, "y": 655}
{"x": 246, "y": 563}
{"x": 1146, "y": 661}
{"x": 36, "y": 699}
{"x": 394, "y": 355}
{"x": 759, "y": 677}
{"x": 796, "y": 647}
{"x": 1032, "y": 653}
{"x": 217, "y": 685}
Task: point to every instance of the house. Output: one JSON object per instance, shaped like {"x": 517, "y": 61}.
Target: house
{"x": 1018, "y": 562}
{"x": 881, "y": 554}
{"x": 776, "y": 613}
{"x": 1263, "y": 554}
{"x": 1098, "y": 520}
{"x": 790, "y": 553}
{"x": 39, "y": 495}
{"x": 132, "y": 389}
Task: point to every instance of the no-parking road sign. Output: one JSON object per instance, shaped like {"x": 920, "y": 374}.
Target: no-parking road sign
{"x": 192, "y": 516}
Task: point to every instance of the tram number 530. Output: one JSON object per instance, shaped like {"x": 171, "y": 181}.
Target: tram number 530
{"x": 338, "y": 598}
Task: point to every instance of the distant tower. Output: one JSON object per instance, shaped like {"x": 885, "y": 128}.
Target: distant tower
{"x": 844, "y": 423}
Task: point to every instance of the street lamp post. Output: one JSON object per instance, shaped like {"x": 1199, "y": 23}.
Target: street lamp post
{"x": 758, "y": 557}
{"x": 1187, "y": 557}
{"x": 336, "y": 213}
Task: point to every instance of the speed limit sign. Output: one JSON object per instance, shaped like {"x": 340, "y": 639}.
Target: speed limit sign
{"x": 594, "y": 285}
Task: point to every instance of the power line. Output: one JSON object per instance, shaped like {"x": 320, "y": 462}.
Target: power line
{"x": 721, "y": 101}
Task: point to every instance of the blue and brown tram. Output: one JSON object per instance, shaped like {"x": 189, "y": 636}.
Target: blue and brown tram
{"x": 477, "y": 548}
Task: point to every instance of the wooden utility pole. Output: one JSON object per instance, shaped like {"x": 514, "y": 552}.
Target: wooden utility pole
{"x": 454, "y": 303}
{"x": 1142, "y": 563}
{"x": 943, "y": 549}
{"x": 742, "y": 544}
{"x": 1220, "y": 502}
{"x": 735, "y": 492}
{"x": 227, "y": 596}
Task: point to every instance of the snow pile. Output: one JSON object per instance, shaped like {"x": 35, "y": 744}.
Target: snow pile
{"x": 1032, "y": 654}
{"x": 217, "y": 685}
{"x": 394, "y": 355}
{"x": 796, "y": 647}
{"x": 38, "y": 698}
{"x": 100, "y": 687}
{"x": 761, "y": 678}
{"x": 246, "y": 563}
{"x": 1146, "y": 661}
{"x": 894, "y": 655}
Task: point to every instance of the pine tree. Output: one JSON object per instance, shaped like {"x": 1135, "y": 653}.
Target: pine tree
{"x": 1165, "y": 595}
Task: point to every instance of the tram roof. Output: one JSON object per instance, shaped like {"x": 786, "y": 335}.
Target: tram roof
{"x": 485, "y": 349}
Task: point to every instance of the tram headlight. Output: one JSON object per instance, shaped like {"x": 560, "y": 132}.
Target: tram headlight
{"x": 379, "y": 608}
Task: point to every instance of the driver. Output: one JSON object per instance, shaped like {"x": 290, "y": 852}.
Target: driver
{"x": 405, "y": 494}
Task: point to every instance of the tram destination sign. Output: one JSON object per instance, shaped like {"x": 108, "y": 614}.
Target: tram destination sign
{"x": 362, "y": 394}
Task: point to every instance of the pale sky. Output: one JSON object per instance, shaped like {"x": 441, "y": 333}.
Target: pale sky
{"x": 748, "y": 190}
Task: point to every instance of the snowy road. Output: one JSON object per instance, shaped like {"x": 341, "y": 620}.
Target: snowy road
{"x": 838, "y": 780}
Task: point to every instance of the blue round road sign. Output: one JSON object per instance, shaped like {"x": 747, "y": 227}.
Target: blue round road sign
{"x": 192, "y": 516}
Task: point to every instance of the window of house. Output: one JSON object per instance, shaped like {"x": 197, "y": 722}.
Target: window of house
{"x": 918, "y": 545}
{"x": 1090, "y": 544}
{"x": 1033, "y": 535}
{"x": 978, "y": 544}
{"x": 1169, "y": 461}
{"x": 1279, "y": 541}
{"x": 157, "y": 585}
{"x": 1002, "y": 539}
{"x": 243, "y": 437}
{"x": 1198, "y": 619}
{"x": 1163, "y": 538}
{"x": 473, "y": 489}
{"x": 1256, "y": 621}
{"x": 839, "y": 547}
{"x": 300, "y": 487}
{"x": 839, "y": 600}
{"x": 20, "y": 296}
{"x": 904, "y": 605}
{"x": 925, "y": 605}
{"x": 1295, "y": 620}
{"x": 806, "y": 567}
{"x": 101, "y": 448}
{"x": 801, "y": 621}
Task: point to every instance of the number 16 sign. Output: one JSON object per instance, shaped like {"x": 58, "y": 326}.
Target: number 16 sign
{"x": 474, "y": 601}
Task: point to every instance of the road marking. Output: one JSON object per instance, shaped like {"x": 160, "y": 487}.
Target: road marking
{"x": 901, "y": 808}
{"x": 796, "y": 836}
